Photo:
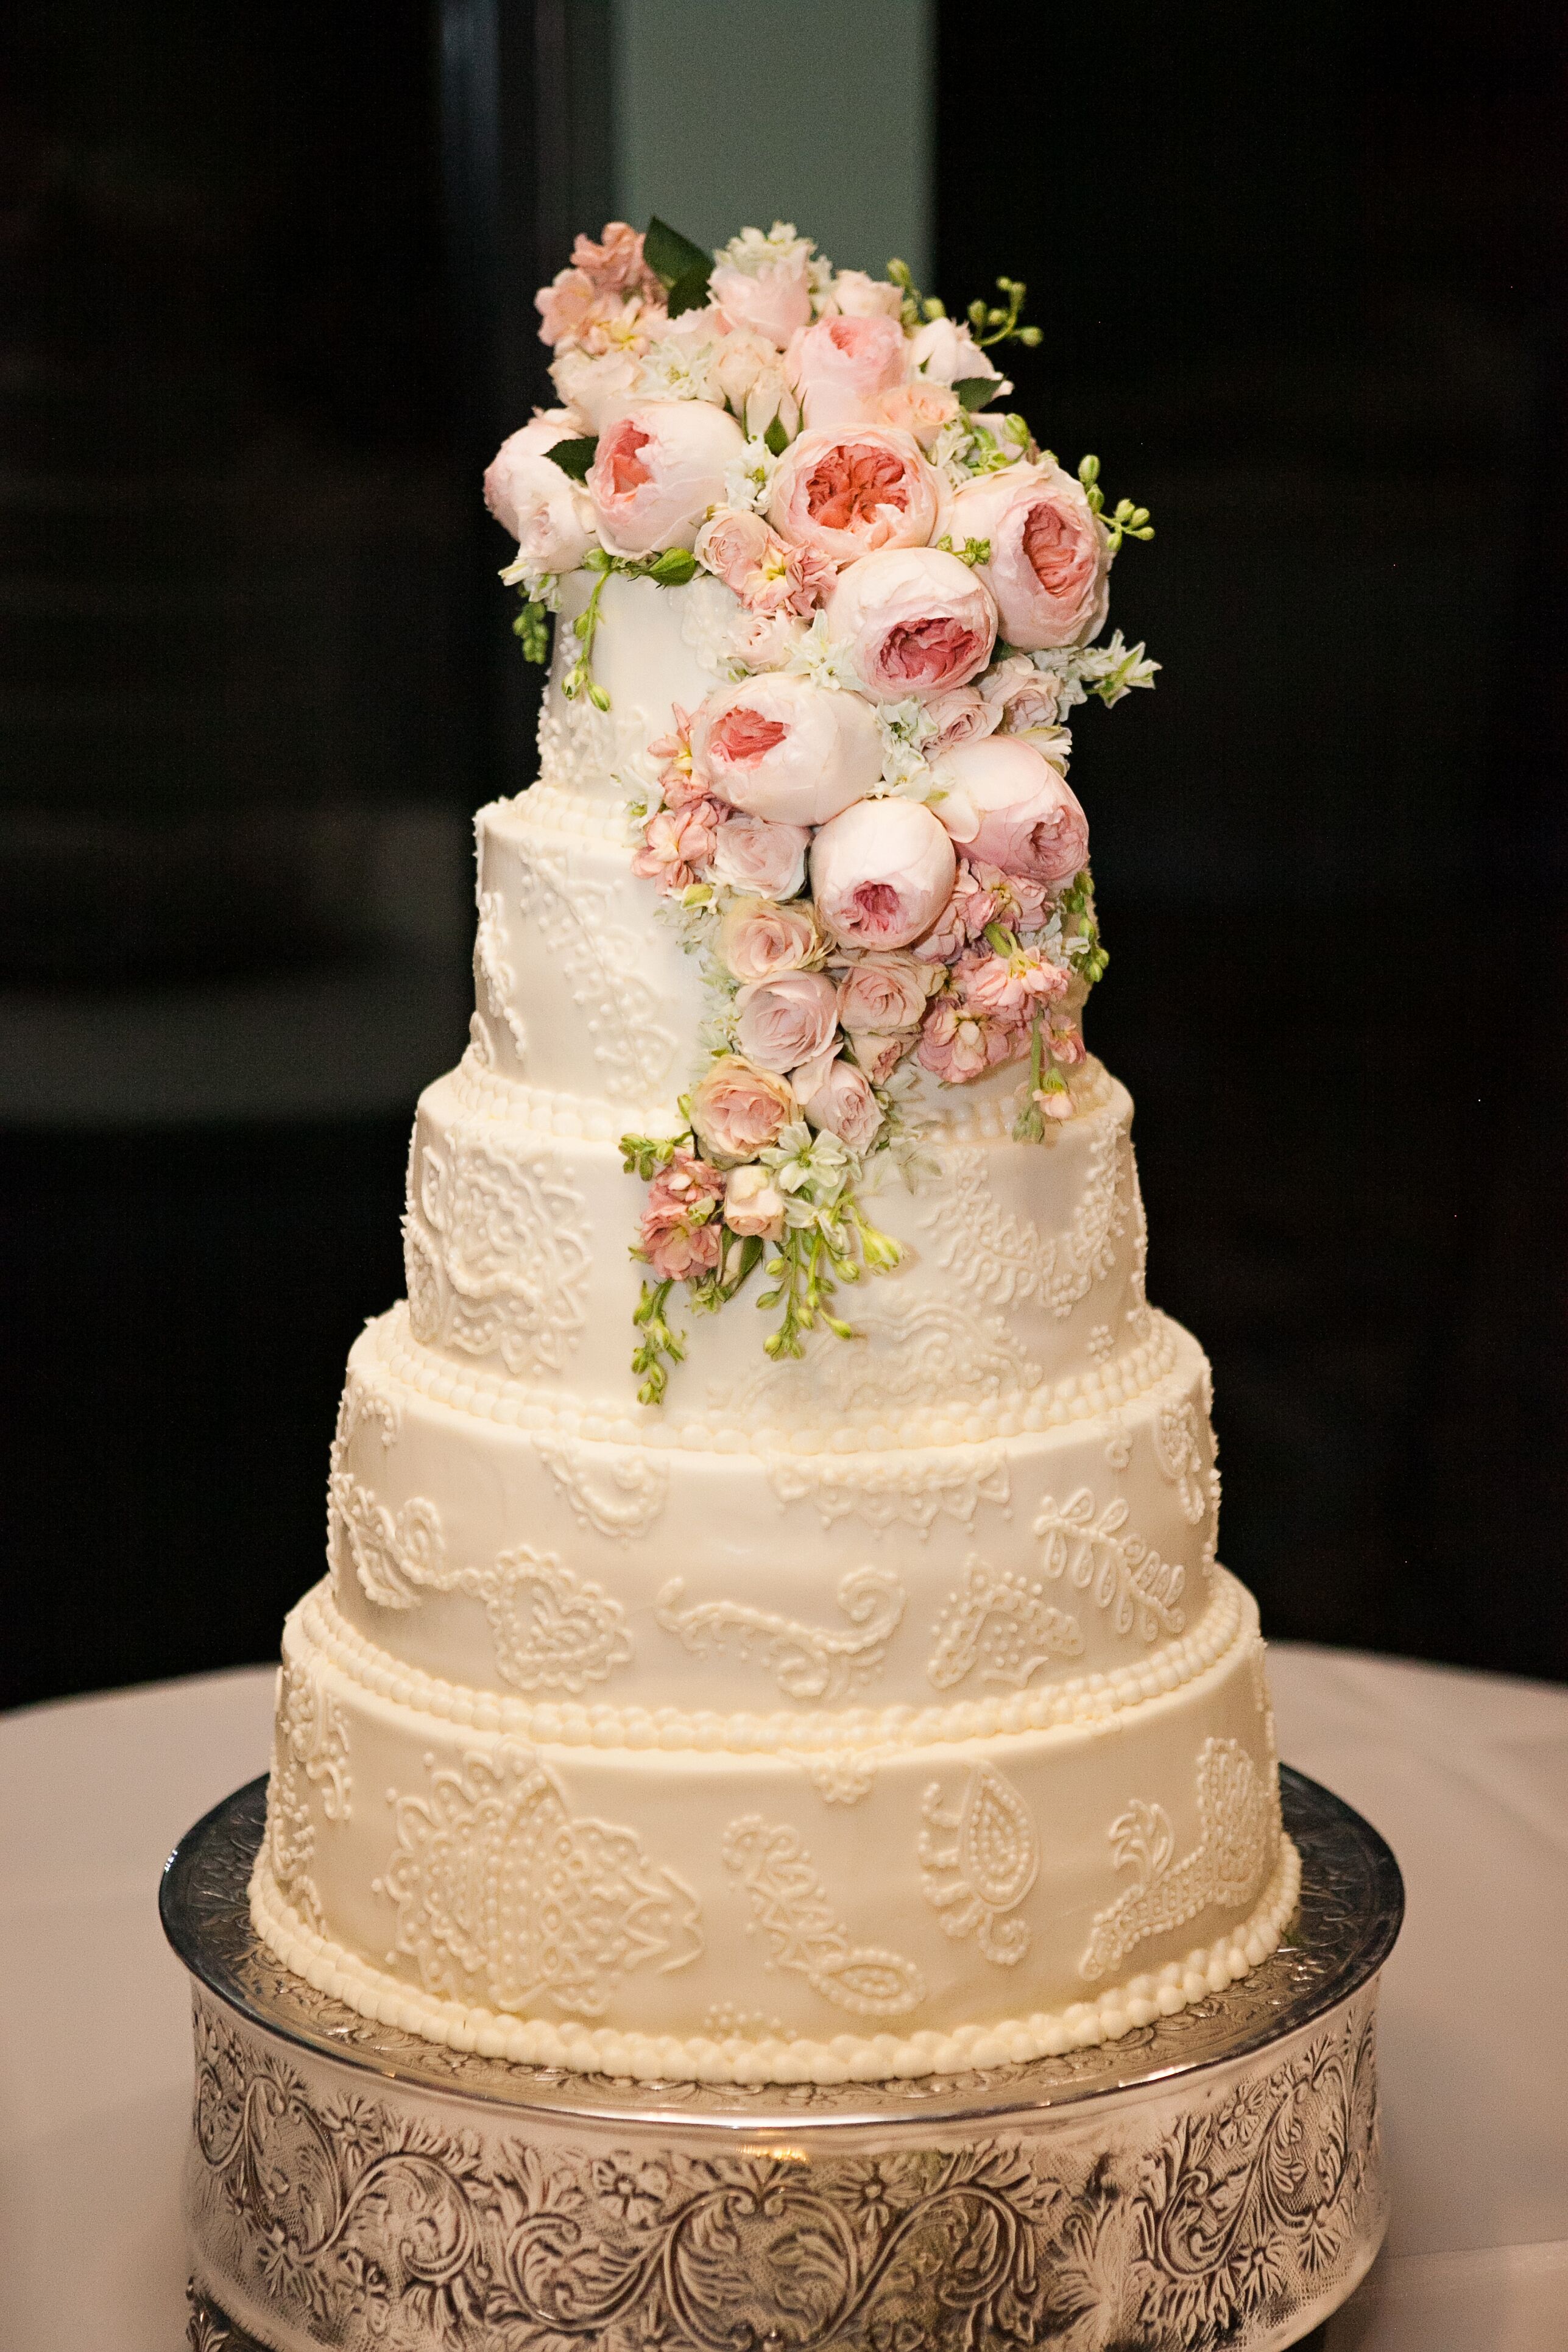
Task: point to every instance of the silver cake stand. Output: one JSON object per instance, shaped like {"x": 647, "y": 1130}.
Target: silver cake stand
{"x": 1214, "y": 2180}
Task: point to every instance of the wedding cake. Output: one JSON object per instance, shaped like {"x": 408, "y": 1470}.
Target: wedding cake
{"x": 772, "y": 1629}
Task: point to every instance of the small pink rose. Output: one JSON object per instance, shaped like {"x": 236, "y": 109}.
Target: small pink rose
{"x": 860, "y": 296}
{"x": 737, "y": 1109}
{"x": 765, "y": 640}
{"x": 782, "y": 748}
{"x": 1011, "y": 808}
{"x": 922, "y": 409}
{"x": 879, "y": 1052}
{"x": 657, "y": 471}
{"x": 881, "y": 873}
{"x": 759, "y": 937}
{"x": 915, "y": 619}
{"x": 841, "y": 364}
{"x": 959, "y": 717}
{"x": 836, "y": 1095}
{"x": 884, "y": 991}
{"x": 1019, "y": 696}
{"x": 844, "y": 492}
{"x": 597, "y": 390}
{"x": 784, "y": 1022}
{"x": 773, "y": 300}
{"x": 945, "y": 352}
{"x": 1049, "y": 566}
{"x": 763, "y": 859}
{"x": 753, "y": 1204}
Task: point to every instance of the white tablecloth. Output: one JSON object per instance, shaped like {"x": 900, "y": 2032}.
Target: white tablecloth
{"x": 1465, "y": 1775}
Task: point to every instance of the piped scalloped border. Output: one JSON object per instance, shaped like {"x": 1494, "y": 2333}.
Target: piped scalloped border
{"x": 1081, "y": 1700}
{"x": 847, "y": 2058}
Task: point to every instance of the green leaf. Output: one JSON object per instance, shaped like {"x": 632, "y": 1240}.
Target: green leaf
{"x": 574, "y": 458}
{"x": 974, "y": 390}
{"x": 775, "y": 440}
{"x": 670, "y": 255}
{"x": 689, "y": 291}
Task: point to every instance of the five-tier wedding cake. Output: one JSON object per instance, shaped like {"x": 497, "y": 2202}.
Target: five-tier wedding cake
{"x": 772, "y": 1628}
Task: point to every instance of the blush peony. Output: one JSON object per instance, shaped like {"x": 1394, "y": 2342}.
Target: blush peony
{"x": 764, "y": 860}
{"x": 778, "y": 1024}
{"x": 1012, "y": 808}
{"x": 782, "y": 748}
{"x": 545, "y": 511}
{"x": 881, "y": 873}
{"x": 1049, "y": 565}
{"x": 657, "y": 471}
{"x": 737, "y": 1109}
{"x": 915, "y": 619}
{"x": 843, "y": 493}
{"x": 840, "y": 365}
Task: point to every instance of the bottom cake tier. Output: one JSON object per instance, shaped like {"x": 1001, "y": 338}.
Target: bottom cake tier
{"x": 896, "y": 1904}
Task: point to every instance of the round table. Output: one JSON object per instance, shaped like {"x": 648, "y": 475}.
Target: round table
{"x": 1465, "y": 1775}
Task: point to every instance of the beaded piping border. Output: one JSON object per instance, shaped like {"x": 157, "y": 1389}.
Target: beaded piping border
{"x": 1085, "y": 1701}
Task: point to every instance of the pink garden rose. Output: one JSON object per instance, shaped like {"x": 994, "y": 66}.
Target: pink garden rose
{"x": 960, "y": 1041}
{"x": 945, "y": 352}
{"x": 884, "y": 992}
{"x": 1011, "y": 808}
{"x": 765, "y": 860}
{"x": 681, "y": 1232}
{"x": 844, "y": 492}
{"x": 737, "y": 1109}
{"x": 1020, "y": 696}
{"x": 836, "y": 1095}
{"x": 782, "y": 748}
{"x": 918, "y": 408}
{"x": 545, "y": 511}
{"x": 658, "y": 469}
{"x": 858, "y": 296}
{"x": 750, "y": 375}
{"x": 760, "y": 938}
{"x": 1049, "y": 566}
{"x": 773, "y": 300}
{"x": 915, "y": 620}
{"x": 881, "y": 873}
{"x": 781, "y": 1022}
{"x": 767, "y": 573}
{"x": 879, "y": 1052}
{"x": 753, "y": 1204}
{"x": 840, "y": 365}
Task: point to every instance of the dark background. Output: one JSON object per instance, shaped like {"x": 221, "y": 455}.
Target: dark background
{"x": 1301, "y": 275}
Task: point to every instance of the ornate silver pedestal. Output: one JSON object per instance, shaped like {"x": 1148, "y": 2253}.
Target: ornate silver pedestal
{"x": 1211, "y": 2181}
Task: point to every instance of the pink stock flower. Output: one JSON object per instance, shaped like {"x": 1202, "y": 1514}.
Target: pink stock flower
{"x": 767, "y": 573}
{"x": 844, "y": 492}
{"x": 679, "y": 844}
{"x": 881, "y": 873}
{"x": 840, "y": 365}
{"x": 915, "y": 620}
{"x": 1049, "y": 565}
{"x": 773, "y": 300}
{"x": 836, "y": 1095}
{"x": 764, "y": 860}
{"x": 615, "y": 264}
{"x": 681, "y": 1235}
{"x": 1067, "y": 1045}
{"x": 1010, "y": 808}
{"x": 1012, "y": 986}
{"x": 782, "y": 748}
{"x": 781, "y": 1022}
{"x": 657, "y": 472}
{"x": 738, "y": 1109}
{"x": 960, "y": 1042}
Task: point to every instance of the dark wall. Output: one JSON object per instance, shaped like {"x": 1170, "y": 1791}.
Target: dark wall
{"x": 1300, "y": 271}
{"x": 1301, "y": 274}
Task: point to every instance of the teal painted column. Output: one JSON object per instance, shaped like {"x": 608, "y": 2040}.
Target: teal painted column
{"x": 729, "y": 115}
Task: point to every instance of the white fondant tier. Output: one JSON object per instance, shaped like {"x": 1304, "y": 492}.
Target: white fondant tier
{"x": 562, "y": 1554}
{"x": 760, "y": 1913}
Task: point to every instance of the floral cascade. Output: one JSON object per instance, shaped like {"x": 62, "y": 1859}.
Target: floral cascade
{"x": 867, "y": 832}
